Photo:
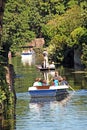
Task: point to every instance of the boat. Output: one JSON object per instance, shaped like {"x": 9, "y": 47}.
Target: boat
{"x": 47, "y": 91}
{"x": 45, "y": 69}
{"x": 26, "y": 53}
{"x": 45, "y": 63}
{"x": 27, "y": 50}
{"x": 28, "y": 57}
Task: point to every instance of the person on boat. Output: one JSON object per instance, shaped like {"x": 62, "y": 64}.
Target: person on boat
{"x": 57, "y": 76}
{"x": 45, "y": 53}
{"x": 44, "y": 83}
{"x": 37, "y": 82}
{"x": 40, "y": 82}
{"x": 56, "y": 79}
{"x": 42, "y": 65}
{"x": 46, "y": 62}
{"x": 52, "y": 65}
{"x": 64, "y": 81}
{"x": 31, "y": 50}
{"x": 45, "y": 56}
{"x": 55, "y": 82}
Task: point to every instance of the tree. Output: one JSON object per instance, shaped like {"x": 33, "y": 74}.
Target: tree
{"x": 16, "y": 30}
{"x": 59, "y": 31}
{"x": 55, "y": 20}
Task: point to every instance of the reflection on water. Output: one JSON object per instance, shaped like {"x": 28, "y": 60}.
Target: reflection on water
{"x": 61, "y": 100}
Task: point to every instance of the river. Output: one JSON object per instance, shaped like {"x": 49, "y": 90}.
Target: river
{"x": 67, "y": 114}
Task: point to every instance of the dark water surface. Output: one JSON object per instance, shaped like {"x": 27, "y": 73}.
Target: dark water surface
{"x": 50, "y": 114}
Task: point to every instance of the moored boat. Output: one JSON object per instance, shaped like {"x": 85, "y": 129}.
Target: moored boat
{"x": 28, "y": 53}
{"x": 47, "y": 91}
{"x": 28, "y": 56}
{"x": 27, "y": 50}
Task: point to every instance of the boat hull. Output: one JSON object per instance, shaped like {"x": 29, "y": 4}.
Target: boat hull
{"x": 51, "y": 92}
{"x": 26, "y": 54}
{"x": 44, "y": 69}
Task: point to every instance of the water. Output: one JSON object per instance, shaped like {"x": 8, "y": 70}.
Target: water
{"x": 52, "y": 115}
{"x": 48, "y": 114}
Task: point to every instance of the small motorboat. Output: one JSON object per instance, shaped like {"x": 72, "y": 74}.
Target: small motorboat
{"x": 48, "y": 91}
{"x": 28, "y": 57}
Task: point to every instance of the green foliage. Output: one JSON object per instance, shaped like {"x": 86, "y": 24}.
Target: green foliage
{"x": 84, "y": 56}
{"x": 23, "y": 20}
{"x": 65, "y": 30}
{"x": 3, "y": 88}
{"x": 72, "y": 3}
{"x": 2, "y": 96}
{"x": 15, "y": 25}
{"x": 77, "y": 34}
{"x": 5, "y": 95}
{"x": 59, "y": 21}
{"x": 83, "y": 40}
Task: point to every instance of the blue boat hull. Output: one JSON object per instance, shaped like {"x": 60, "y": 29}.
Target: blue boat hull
{"x": 47, "y": 93}
{"x": 24, "y": 54}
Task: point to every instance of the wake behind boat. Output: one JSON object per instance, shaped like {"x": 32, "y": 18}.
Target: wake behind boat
{"x": 48, "y": 91}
